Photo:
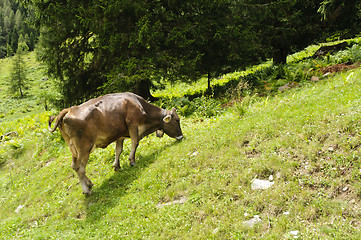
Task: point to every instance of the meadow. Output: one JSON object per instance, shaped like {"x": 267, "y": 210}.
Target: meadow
{"x": 306, "y": 141}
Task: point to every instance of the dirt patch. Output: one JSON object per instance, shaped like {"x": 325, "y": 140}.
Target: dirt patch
{"x": 340, "y": 67}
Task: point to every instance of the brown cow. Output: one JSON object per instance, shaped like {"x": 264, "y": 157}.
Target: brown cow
{"x": 113, "y": 117}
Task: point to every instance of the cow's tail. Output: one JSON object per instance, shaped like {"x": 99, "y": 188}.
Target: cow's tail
{"x": 59, "y": 119}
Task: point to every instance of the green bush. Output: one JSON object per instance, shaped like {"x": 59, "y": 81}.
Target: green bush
{"x": 200, "y": 106}
{"x": 206, "y": 107}
{"x": 182, "y": 104}
{"x": 352, "y": 54}
{"x": 355, "y": 52}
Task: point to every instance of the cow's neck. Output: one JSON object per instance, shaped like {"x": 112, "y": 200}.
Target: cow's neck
{"x": 154, "y": 113}
{"x": 154, "y": 120}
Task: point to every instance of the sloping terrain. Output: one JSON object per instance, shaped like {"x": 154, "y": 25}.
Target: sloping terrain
{"x": 307, "y": 141}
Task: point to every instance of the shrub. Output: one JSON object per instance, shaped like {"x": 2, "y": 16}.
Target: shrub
{"x": 206, "y": 107}
{"x": 355, "y": 52}
{"x": 200, "y": 106}
{"x": 352, "y": 54}
{"x": 182, "y": 104}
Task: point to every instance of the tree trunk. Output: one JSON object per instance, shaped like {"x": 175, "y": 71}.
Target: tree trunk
{"x": 209, "y": 82}
{"x": 281, "y": 46}
{"x": 280, "y": 56}
{"x": 46, "y": 105}
{"x": 142, "y": 88}
{"x": 21, "y": 92}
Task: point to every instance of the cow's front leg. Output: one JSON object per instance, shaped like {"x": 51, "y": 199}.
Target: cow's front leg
{"x": 118, "y": 151}
{"x": 135, "y": 142}
{"x": 79, "y": 165}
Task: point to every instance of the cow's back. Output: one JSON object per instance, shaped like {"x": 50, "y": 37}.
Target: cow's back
{"x": 104, "y": 119}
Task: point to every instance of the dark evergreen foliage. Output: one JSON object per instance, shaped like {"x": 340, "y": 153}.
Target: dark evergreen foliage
{"x": 104, "y": 46}
{"x": 18, "y": 81}
{"x": 93, "y": 47}
{"x": 341, "y": 17}
{"x": 16, "y": 21}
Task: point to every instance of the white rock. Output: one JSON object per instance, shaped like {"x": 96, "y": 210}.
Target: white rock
{"x": 195, "y": 153}
{"x": 250, "y": 223}
{"x": 326, "y": 74}
{"x": 261, "y": 184}
{"x": 19, "y": 208}
{"x": 294, "y": 233}
{"x": 180, "y": 201}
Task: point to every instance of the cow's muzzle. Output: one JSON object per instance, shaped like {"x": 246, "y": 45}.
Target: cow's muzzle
{"x": 179, "y": 137}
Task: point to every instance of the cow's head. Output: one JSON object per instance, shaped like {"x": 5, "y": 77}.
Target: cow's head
{"x": 171, "y": 125}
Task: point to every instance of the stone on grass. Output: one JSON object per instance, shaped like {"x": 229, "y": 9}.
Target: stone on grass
{"x": 250, "y": 223}
{"x": 19, "y": 208}
{"x": 295, "y": 234}
{"x": 179, "y": 201}
{"x": 261, "y": 184}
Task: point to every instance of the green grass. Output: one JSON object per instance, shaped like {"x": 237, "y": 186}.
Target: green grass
{"x": 40, "y": 87}
{"x": 308, "y": 138}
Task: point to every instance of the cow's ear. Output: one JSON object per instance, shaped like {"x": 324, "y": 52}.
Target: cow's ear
{"x": 167, "y": 118}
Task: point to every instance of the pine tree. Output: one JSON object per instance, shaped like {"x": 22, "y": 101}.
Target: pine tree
{"x": 18, "y": 80}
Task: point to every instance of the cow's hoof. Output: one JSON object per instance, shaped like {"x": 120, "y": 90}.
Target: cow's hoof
{"x": 132, "y": 163}
{"x": 88, "y": 193}
{"x": 116, "y": 168}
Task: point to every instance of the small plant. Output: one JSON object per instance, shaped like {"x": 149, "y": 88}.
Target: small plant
{"x": 355, "y": 52}
{"x": 206, "y": 107}
{"x": 240, "y": 108}
{"x": 242, "y": 89}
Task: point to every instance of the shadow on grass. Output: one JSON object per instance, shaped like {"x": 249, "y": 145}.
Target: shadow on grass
{"x": 2, "y": 163}
{"x": 107, "y": 195}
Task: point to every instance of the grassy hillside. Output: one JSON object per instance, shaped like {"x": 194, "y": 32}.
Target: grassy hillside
{"x": 40, "y": 88}
{"x": 307, "y": 140}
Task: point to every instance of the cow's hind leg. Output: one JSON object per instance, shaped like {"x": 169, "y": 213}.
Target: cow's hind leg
{"x": 79, "y": 165}
{"x": 118, "y": 151}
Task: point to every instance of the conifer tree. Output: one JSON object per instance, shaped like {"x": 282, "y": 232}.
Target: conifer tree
{"x": 18, "y": 80}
